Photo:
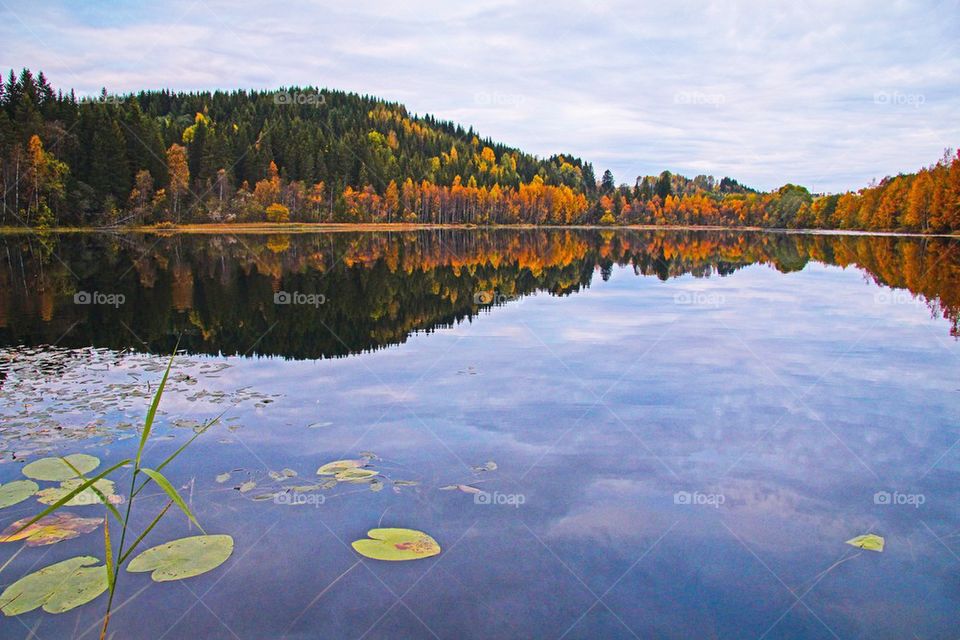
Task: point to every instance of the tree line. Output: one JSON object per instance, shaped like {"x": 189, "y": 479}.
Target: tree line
{"x": 303, "y": 154}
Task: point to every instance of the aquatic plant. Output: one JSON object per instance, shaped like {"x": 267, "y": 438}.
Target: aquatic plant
{"x": 76, "y": 581}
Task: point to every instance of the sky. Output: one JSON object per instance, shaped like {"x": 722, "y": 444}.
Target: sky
{"x": 827, "y": 94}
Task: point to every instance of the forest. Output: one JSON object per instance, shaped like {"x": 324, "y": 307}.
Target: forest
{"x": 303, "y": 154}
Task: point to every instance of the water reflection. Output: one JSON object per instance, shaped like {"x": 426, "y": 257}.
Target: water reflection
{"x": 692, "y": 452}
{"x": 314, "y": 296}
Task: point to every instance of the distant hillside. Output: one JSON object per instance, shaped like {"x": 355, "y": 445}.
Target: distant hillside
{"x": 319, "y": 154}
{"x": 305, "y": 154}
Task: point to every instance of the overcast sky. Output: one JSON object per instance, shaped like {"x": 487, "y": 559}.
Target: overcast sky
{"x": 826, "y": 94}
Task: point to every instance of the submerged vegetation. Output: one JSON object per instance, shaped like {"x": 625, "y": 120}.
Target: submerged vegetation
{"x": 318, "y": 155}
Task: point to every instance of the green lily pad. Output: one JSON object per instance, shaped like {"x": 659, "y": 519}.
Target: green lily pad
{"x": 183, "y": 558}
{"x": 49, "y": 529}
{"x": 55, "y": 469}
{"x": 60, "y": 587}
{"x": 868, "y": 541}
{"x": 396, "y": 545}
{"x": 356, "y": 475}
{"x": 17, "y": 491}
{"x": 85, "y": 498}
{"x": 338, "y": 466}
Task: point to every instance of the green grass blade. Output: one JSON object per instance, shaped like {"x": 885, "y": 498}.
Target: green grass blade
{"x": 108, "y": 552}
{"x": 148, "y": 422}
{"x": 143, "y": 535}
{"x": 103, "y": 498}
{"x": 176, "y": 453}
{"x": 65, "y": 499}
{"x": 158, "y": 477}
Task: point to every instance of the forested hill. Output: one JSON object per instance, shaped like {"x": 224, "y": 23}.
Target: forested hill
{"x": 304, "y": 154}
{"x": 317, "y": 154}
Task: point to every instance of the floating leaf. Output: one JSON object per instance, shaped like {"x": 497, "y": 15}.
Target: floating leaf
{"x": 396, "y": 545}
{"x": 183, "y": 558}
{"x": 55, "y": 469}
{"x": 266, "y": 496}
{"x": 17, "y": 491}
{"x": 60, "y": 587}
{"x": 289, "y": 473}
{"x": 223, "y": 477}
{"x": 49, "y": 529}
{"x": 369, "y": 455}
{"x": 376, "y": 485}
{"x": 461, "y": 487}
{"x": 489, "y": 466}
{"x": 405, "y": 483}
{"x": 868, "y": 541}
{"x": 86, "y": 497}
{"x": 356, "y": 475}
{"x": 335, "y": 467}
{"x": 305, "y": 488}
{"x": 247, "y": 486}
{"x": 276, "y": 475}
{"x": 317, "y": 425}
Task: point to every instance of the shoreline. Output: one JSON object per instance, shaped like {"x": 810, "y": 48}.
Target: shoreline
{"x": 263, "y": 228}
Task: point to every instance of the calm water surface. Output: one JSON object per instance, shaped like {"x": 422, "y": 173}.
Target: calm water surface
{"x": 686, "y": 428}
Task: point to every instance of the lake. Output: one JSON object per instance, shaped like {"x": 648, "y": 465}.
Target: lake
{"x": 673, "y": 434}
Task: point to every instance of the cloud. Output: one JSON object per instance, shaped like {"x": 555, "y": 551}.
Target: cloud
{"x": 826, "y": 94}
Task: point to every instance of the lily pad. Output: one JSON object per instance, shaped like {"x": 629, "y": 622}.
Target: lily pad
{"x": 288, "y": 473}
{"x": 489, "y": 466}
{"x": 86, "y": 497}
{"x": 247, "y": 486}
{"x": 868, "y": 541}
{"x": 337, "y": 466}
{"x": 183, "y": 558}
{"x": 461, "y": 487}
{"x": 223, "y": 477}
{"x": 396, "y": 545}
{"x": 17, "y": 491}
{"x": 55, "y": 469}
{"x": 49, "y": 529}
{"x": 356, "y": 475}
{"x": 60, "y": 587}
